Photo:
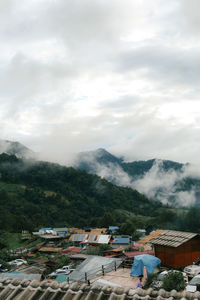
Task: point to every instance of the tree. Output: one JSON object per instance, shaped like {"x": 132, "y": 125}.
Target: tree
{"x": 166, "y": 216}
{"x": 192, "y": 219}
{"x": 127, "y": 228}
{"x": 107, "y": 220}
{"x": 174, "y": 280}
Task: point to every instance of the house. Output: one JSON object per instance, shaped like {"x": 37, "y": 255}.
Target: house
{"x": 121, "y": 242}
{"x": 90, "y": 239}
{"x": 61, "y": 231}
{"x": 50, "y": 250}
{"x": 118, "y": 252}
{"x": 77, "y": 238}
{"x": 154, "y": 234}
{"x": 71, "y": 250}
{"x": 177, "y": 248}
{"x": 47, "y": 234}
{"x": 45, "y": 231}
{"x": 91, "y": 231}
{"x": 103, "y": 239}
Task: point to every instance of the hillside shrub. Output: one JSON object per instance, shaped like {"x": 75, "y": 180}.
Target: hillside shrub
{"x": 174, "y": 280}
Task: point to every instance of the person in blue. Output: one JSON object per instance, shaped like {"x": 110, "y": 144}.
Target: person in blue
{"x": 139, "y": 284}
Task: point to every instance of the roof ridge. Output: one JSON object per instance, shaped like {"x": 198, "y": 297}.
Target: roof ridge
{"x": 72, "y": 289}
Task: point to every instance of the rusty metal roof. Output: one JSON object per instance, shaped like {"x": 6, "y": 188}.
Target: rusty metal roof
{"x": 149, "y": 237}
{"x": 50, "y": 249}
{"x": 172, "y": 238}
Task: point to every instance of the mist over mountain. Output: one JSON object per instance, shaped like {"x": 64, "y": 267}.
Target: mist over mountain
{"x": 16, "y": 148}
{"x": 36, "y": 193}
{"x": 164, "y": 180}
{"x": 167, "y": 181}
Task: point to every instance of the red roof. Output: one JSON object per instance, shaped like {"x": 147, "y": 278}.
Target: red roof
{"x": 134, "y": 253}
{"x": 72, "y": 249}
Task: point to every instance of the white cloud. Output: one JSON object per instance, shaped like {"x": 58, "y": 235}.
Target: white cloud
{"x": 79, "y": 75}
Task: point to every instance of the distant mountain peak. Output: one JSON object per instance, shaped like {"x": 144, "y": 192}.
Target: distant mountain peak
{"x": 15, "y": 148}
{"x": 159, "y": 179}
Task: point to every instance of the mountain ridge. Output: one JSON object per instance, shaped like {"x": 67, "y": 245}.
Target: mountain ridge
{"x": 16, "y": 148}
{"x": 164, "y": 180}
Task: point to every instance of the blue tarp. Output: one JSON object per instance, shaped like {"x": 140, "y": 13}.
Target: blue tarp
{"x": 144, "y": 260}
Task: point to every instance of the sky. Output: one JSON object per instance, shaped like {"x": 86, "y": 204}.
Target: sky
{"x": 120, "y": 74}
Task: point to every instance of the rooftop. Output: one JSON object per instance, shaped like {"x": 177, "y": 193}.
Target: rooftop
{"x": 16, "y": 289}
{"x": 132, "y": 254}
{"x": 152, "y": 235}
{"x": 172, "y": 238}
{"x": 50, "y": 249}
{"x": 121, "y": 240}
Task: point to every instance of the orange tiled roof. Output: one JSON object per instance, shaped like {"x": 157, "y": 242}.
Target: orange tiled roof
{"x": 150, "y": 236}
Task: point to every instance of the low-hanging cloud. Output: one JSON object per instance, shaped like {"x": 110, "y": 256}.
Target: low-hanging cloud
{"x": 164, "y": 185}
{"x": 157, "y": 183}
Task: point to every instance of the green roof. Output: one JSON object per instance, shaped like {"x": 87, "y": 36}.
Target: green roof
{"x": 60, "y": 229}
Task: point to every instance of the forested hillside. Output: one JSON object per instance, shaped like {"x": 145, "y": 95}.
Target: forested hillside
{"x": 34, "y": 194}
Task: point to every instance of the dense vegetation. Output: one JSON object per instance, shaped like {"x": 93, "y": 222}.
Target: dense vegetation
{"x": 35, "y": 194}
{"x": 174, "y": 281}
{"x": 44, "y": 194}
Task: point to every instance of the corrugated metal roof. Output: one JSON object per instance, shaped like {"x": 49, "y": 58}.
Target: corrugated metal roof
{"x": 172, "y": 238}
{"x": 92, "y": 266}
{"x": 21, "y": 276}
{"x": 121, "y": 241}
{"x": 92, "y": 231}
{"x": 103, "y": 239}
{"x": 91, "y": 238}
{"x": 78, "y": 237}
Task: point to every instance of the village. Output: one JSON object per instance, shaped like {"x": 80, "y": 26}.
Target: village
{"x": 99, "y": 257}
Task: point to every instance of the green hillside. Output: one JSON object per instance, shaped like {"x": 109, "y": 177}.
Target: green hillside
{"x": 37, "y": 194}
{"x": 34, "y": 194}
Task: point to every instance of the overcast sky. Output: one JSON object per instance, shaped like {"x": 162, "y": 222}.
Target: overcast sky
{"x": 123, "y": 75}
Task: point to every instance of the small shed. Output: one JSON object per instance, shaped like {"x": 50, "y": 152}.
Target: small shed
{"x": 177, "y": 248}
